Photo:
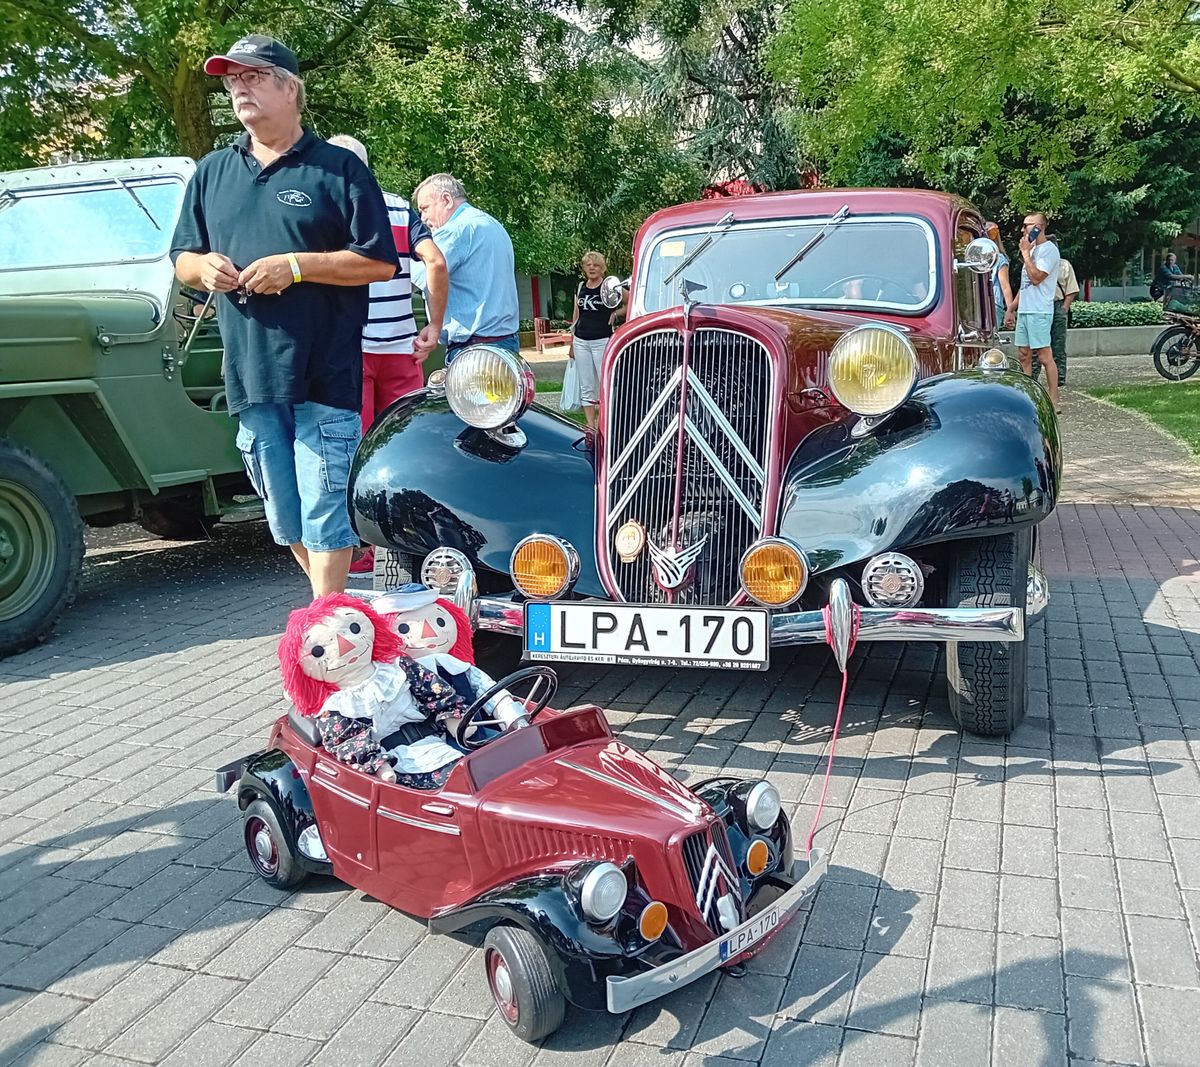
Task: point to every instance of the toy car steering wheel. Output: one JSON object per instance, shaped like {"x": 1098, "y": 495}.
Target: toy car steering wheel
{"x": 884, "y": 283}
{"x": 537, "y": 675}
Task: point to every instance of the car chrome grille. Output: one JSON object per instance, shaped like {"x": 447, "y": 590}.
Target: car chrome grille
{"x": 708, "y": 860}
{"x": 709, "y": 487}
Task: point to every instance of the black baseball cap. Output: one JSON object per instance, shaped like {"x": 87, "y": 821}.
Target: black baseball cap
{"x": 255, "y": 50}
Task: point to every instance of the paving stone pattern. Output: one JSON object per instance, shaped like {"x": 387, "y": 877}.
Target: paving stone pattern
{"x": 1035, "y": 901}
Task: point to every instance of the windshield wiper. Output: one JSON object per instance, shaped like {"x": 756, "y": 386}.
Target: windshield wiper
{"x": 7, "y": 198}
{"x": 137, "y": 200}
{"x": 718, "y": 228}
{"x": 817, "y": 238}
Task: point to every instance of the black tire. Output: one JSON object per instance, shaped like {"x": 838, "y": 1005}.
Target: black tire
{"x": 535, "y": 1007}
{"x": 41, "y": 548}
{"x": 1176, "y": 354}
{"x": 988, "y": 679}
{"x": 176, "y": 520}
{"x": 267, "y": 846}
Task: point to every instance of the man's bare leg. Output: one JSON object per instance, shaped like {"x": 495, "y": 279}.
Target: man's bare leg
{"x": 301, "y": 554}
{"x": 328, "y": 570}
{"x": 1026, "y": 360}
{"x": 1046, "y": 359}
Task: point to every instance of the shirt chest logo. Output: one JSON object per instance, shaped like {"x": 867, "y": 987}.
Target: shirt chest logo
{"x": 294, "y": 198}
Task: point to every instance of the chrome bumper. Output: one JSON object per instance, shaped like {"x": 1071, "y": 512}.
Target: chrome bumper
{"x": 625, "y": 994}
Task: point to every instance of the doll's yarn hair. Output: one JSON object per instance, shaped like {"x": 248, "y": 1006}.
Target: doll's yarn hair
{"x": 464, "y": 647}
{"x": 308, "y": 694}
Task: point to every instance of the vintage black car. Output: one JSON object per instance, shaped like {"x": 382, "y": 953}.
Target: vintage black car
{"x": 806, "y": 389}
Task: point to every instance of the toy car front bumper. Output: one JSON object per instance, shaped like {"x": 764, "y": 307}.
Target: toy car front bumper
{"x": 625, "y": 994}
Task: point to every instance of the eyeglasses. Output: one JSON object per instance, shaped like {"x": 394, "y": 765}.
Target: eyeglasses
{"x": 249, "y": 78}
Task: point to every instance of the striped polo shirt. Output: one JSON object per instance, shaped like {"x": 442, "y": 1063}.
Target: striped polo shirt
{"x": 390, "y": 326}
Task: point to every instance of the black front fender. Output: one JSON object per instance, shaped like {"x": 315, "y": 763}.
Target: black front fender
{"x": 273, "y": 777}
{"x": 423, "y": 478}
{"x": 971, "y": 454}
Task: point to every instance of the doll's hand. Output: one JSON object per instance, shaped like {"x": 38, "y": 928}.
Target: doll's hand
{"x": 385, "y": 773}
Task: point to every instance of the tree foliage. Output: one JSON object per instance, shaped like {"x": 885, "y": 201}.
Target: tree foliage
{"x": 503, "y": 93}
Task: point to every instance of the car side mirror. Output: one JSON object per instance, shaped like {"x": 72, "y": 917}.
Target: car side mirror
{"x": 611, "y": 290}
{"x": 981, "y": 255}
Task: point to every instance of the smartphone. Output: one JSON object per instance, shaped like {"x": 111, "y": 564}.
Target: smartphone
{"x": 1034, "y": 234}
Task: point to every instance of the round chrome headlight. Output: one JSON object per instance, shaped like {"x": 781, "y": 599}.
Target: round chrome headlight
{"x": 762, "y": 806}
{"x": 603, "y": 892}
{"x": 489, "y": 387}
{"x": 872, "y": 369}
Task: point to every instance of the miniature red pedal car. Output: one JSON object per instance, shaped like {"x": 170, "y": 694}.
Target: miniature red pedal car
{"x": 605, "y": 881}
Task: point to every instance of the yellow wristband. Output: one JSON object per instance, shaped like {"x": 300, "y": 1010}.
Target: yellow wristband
{"x": 294, "y": 264}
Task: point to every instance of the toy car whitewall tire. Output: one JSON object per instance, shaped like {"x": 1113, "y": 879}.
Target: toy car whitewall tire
{"x": 988, "y": 679}
{"x": 267, "y": 846}
{"x": 41, "y": 548}
{"x": 522, "y": 984}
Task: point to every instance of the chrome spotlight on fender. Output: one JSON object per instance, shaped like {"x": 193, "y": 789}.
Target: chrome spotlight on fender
{"x": 892, "y": 580}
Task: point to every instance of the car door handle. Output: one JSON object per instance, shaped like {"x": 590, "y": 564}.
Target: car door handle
{"x": 331, "y": 771}
{"x": 438, "y": 809}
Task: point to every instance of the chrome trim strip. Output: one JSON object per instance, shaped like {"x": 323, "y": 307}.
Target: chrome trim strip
{"x": 636, "y": 437}
{"x": 1037, "y": 596}
{"x": 669, "y": 436}
{"x": 721, "y": 471}
{"x": 498, "y": 615}
{"x": 718, "y": 415}
{"x": 340, "y": 792}
{"x": 420, "y": 823}
{"x": 625, "y": 994}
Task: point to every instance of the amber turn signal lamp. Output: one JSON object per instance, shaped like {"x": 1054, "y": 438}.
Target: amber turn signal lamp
{"x": 758, "y": 856}
{"x": 653, "y": 920}
{"x": 544, "y": 567}
{"x": 774, "y": 572}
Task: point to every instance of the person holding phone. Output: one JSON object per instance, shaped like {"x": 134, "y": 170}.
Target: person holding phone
{"x": 1035, "y": 301}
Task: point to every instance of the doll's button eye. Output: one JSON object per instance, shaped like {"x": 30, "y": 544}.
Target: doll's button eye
{"x": 403, "y": 628}
{"x": 317, "y": 651}
{"x": 355, "y": 628}
{"x": 441, "y": 621}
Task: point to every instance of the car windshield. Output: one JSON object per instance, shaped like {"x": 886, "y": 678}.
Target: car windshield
{"x": 110, "y": 221}
{"x": 867, "y": 261}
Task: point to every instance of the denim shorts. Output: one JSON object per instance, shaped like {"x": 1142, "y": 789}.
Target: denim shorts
{"x": 1033, "y": 331}
{"x": 298, "y": 459}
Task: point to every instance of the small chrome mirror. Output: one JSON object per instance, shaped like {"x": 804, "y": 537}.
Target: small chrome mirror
{"x": 611, "y": 290}
{"x": 981, "y": 255}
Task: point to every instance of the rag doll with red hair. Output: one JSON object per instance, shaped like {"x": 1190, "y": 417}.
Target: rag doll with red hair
{"x": 375, "y": 707}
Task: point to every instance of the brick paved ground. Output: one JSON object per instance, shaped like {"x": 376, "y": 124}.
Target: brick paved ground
{"x": 1035, "y": 902}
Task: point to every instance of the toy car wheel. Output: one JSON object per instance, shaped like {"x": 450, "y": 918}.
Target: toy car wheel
{"x": 41, "y": 548}
{"x": 267, "y": 847}
{"x": 522, "y": 983}
{"x": 987, "y": 679}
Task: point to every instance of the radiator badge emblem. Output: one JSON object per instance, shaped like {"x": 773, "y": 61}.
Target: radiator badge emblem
{"x": 630, "y": 540}
{"x": 673, "y": 569}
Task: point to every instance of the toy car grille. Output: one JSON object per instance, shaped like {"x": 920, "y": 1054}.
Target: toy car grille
{"x": 722, "y": 460}
{"x": 708, "y": 860}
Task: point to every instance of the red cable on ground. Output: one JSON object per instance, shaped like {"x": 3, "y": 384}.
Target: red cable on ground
{"x": 837, "y": 722}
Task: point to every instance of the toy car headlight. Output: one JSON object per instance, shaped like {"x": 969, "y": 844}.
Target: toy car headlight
{"x": 872, "y": 369}
{"x": 603, "y": 892}
{"x": 762, "y": 806}
{"x": 489, "y": 387}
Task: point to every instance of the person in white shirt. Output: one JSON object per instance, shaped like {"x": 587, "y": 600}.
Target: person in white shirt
{"x": 1035, "y": 302}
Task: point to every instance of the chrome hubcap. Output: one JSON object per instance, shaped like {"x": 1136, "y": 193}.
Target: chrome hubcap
{"x": 504, "y": 984}
{"x": 263, "y": 846}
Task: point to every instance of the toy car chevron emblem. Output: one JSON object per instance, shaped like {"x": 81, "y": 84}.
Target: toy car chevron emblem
{"x": 672, "y": 568}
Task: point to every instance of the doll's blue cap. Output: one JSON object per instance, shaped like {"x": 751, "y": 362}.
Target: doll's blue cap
{"x": 408, "y": 597}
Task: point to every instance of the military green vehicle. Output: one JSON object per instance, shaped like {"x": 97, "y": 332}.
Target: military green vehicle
{"x": 112, "y": 407}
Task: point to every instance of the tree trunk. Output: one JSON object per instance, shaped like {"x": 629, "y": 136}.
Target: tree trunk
{"x": 190, "y": 109}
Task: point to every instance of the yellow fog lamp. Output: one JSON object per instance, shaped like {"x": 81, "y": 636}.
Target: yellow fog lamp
{"x": 544, "y": 567}
{"x": 652, "y": 923}
{"x": 872, "y": 369}
{"x": 758, "y": 857}
{"x": 774, "y": 572}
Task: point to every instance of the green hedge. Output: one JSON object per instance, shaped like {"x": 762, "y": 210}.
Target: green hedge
{"x": 1106, "y": 313}
{"x": 526, "y": 325}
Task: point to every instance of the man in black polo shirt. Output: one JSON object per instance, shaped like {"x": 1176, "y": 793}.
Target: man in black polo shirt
{"x": 291, "y": 231}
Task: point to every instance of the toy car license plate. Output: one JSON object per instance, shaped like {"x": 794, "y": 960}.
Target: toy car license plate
{"x": 750, "y": 934}
{"x": 650, "y": 635}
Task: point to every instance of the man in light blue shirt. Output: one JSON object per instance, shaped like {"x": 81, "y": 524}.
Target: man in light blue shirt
{"x": 482, "y": 305}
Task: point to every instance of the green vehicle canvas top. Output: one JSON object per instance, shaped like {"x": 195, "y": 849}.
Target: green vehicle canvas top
{"x": 111, "y": 402}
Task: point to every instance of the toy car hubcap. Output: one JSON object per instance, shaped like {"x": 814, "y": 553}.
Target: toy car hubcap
{"x": 500, "y": 980}
{"x": 262, "y": 846}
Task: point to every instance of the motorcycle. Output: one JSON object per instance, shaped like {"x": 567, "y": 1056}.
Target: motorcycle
{"x": 1176, "y": 350}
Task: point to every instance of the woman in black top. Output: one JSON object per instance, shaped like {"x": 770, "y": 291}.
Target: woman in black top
{"x": 592, "y": 326}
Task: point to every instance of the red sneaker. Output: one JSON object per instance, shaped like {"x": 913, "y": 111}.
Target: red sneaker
{"x": 365, "y": 564}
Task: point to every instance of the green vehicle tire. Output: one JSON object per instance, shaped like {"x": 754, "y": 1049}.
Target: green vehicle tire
{"x": 41, "y": 548}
